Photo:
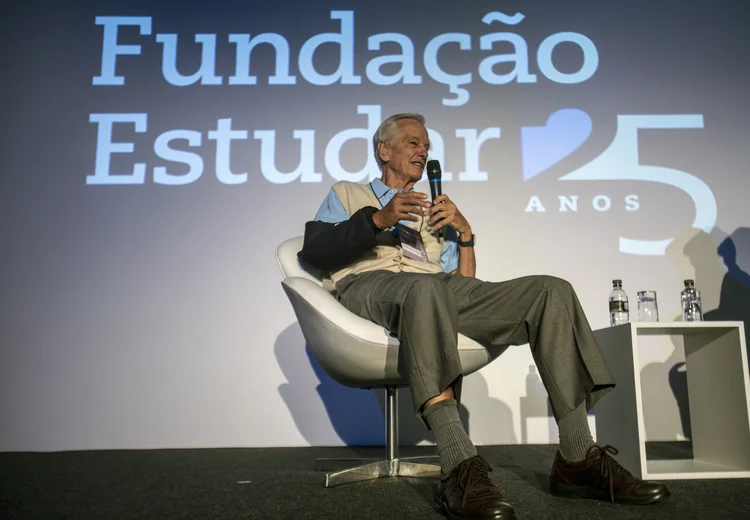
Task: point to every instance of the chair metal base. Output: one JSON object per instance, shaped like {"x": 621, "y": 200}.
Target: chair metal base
{"x": 377, "y": 468}
{"x": 341, "y": 471}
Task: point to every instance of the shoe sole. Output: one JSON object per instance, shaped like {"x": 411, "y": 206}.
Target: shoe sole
{"x": 440, "y": 508}
{"x": 565, "y": 491}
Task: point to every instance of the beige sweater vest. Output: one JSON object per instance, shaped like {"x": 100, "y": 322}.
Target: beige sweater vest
{"x": 385, "y": 257}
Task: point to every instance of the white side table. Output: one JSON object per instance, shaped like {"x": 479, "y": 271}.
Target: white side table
{"x": 718, "y": 391}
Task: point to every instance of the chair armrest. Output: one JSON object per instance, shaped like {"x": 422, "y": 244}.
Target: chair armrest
{"x": 338, "y": 315}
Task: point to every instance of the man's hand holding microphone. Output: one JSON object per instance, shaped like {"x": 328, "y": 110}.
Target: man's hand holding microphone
{"x": 411, "y": 205}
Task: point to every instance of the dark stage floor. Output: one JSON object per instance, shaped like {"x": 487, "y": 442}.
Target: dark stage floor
{"x": 281, "y": 483}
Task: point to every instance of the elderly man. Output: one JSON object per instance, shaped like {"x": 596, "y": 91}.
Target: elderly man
{"x": 381, "y": 246}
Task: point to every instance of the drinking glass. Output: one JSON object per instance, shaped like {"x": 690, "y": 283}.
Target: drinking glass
{"x": 647, "y": 308}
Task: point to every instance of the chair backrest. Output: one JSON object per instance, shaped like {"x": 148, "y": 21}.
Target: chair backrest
{"x": 286, "y": 257}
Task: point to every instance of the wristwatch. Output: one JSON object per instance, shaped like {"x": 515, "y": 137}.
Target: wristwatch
{"x": 468, "y": 243}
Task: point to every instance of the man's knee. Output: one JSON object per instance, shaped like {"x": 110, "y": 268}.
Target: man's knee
{"x": 427, "y": 288}
{"x": 553, "y": 282}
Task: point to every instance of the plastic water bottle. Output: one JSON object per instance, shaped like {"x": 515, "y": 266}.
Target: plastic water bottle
{"x": 618, "y": 305}
{"x": 691, "y": 302}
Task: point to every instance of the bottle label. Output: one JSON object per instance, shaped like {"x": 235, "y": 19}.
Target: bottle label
{"x": 618, "y": 306}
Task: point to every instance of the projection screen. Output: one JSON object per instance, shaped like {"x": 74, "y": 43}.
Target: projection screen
{"x": 157, "y": 153}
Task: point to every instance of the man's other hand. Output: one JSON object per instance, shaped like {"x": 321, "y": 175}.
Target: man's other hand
{"x": 446, "y": 212}
{"x": 403, "y": 206}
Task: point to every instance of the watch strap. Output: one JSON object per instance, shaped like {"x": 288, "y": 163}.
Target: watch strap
{"x": 468, "y": 243}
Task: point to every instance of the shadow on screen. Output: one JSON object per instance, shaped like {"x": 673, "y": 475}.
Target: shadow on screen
{"x": 734, "y": 299}
{"x": 721, "y": 274}
{"x": 535, "y": 405}
{"x": 729, "y": 296}
{"x": 323, "y": 409}
{"x": 667, "y": 414}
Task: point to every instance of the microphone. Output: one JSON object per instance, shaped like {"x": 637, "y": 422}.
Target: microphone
{"x": 435, "y": 174}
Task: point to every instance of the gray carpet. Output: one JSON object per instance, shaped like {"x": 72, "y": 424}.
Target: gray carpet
{"x": 281, "y": 483}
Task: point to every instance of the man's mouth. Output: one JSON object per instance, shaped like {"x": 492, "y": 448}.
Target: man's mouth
{"x": 420, "y": 164}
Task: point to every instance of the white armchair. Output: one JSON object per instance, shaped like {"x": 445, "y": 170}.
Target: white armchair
{"x": 358, "y": 353}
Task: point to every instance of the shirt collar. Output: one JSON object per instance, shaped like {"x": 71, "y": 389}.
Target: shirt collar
{"x": 381, "y": 190}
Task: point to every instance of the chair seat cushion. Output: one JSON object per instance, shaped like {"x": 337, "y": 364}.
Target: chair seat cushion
{"x": 357, "y": 352}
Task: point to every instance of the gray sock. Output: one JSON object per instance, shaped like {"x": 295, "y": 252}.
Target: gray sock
{"x": 453, "y": 444}
{"x": 575, "y": 436}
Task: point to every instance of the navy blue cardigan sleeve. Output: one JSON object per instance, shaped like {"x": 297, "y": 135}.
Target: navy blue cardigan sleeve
{"x": 329, "y": 247}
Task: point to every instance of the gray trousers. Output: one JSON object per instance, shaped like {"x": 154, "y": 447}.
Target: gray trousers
{"x": 427, "y": 311}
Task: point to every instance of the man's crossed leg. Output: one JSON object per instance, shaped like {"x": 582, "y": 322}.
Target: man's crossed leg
{"x": 427, "y": 311}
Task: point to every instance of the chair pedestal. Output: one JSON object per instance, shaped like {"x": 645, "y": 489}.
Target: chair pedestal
{"x": 390, "y": 466}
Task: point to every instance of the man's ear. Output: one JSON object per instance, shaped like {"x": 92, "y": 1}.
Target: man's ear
{"x": 384, "y": 152}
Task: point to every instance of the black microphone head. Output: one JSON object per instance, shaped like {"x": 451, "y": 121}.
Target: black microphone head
{"x": 434, "y": 172}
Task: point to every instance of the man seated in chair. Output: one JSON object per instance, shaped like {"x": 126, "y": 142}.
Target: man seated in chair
{"x": 381, "y": 246}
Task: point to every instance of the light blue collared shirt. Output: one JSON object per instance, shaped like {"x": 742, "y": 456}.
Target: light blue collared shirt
{"x": 332, "y": 211}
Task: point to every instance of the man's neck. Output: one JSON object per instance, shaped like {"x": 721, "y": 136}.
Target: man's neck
{"x": 395, "y": 181}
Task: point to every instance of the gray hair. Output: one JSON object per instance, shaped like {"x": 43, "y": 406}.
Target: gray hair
{"x": 386, "y": 132}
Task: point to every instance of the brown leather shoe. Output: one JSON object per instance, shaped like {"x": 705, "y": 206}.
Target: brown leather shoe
{"x": 468, "y": 493}
{"x": 600, "y": 476}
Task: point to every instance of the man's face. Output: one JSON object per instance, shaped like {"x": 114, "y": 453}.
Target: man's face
{"x": 407, "y": 154}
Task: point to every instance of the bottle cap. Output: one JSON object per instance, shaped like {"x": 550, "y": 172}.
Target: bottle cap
{"x": 689, "y": 282}
{"x": 616, "y": 282}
